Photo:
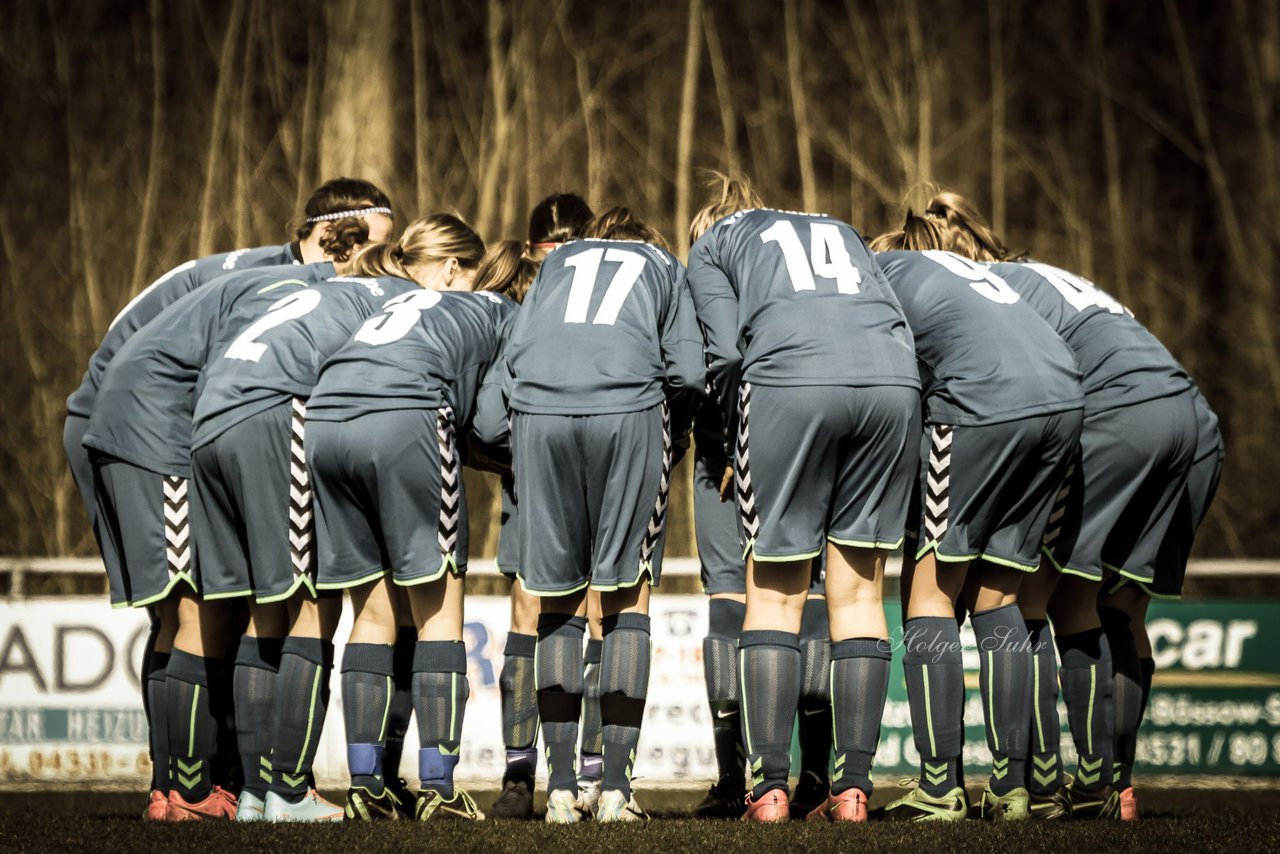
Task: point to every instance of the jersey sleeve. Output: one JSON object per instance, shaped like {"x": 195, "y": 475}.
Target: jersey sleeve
{"x": 716, "y": 305}
{"x": 490, "y": 423}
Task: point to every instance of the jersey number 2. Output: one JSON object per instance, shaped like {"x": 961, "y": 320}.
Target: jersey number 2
{"x": 828, "y": 256}
{"x": 586, "y": 267}
{"x": 295, "y": 305}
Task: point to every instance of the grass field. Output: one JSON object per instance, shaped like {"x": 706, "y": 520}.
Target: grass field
{"x": 1175, "y": 820}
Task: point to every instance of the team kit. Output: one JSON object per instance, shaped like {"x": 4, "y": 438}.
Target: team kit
{"x": 264, "y": 433}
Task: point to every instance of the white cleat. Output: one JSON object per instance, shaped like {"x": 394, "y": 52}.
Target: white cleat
{"x": 249, "y": 808}
{"x": 312, "y": 808}
{"x": 589, "y": 797}
{"x": 615, "y": 807}
{"x": 563, "y": 808}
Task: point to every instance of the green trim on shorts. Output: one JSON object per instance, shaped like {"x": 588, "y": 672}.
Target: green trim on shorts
{"x": 450, "y": 565}
{"x": 163, "y": 594}
{"x": 866, "y": 544}
{"x": 759, "y": 558}
{"x": 300, "y": 581}
{"x": 939, "y": 556}
{"x": 209, "y": 597}
{"x": 121, "y": 605}
{"x": 1067, "y": 570}
{"x": 544, "y": 594}
{"x": 1127, "y": 574}
{"x": 343, "y": 585}
{"x": 1167, "y": 597}
{"x": 1012, "y": 564}
{"x": 646, "y": 568}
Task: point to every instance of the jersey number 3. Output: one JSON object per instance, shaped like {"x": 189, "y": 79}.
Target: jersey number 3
{"x": 828, "y": 256}
{"x": 295, "y": 305}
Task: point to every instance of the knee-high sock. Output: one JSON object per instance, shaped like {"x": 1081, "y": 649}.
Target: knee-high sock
{"x": 519, "y": 707}
{"x": 302, "y": 701}
{"x": 401, "y": 699}
{"x": 257, "y": 666}
{"x": 440, "y": 693}
{"x": 1005, "y": 680}
{"x": 814, "y": 709}
{"x": 720, "y": 664}
{"x": 226, "y": 760}
{"x": 154, "y": 689}
{"x": 1086, "y": 690}
{"x": 859, "y": 685}
{"x": 559, "y": 680}
{"x": 1044, "y": 770}
{"x": 624, "y": 687}
{"x": 769, "y": 665}
{"x": 1126, "y": 693}
{"x": 193, "y": 730}
{"x": 367, "y": 689}
{"x": 934, "y": 671}
{"x": 591, "y": 764}
{"x": 1147, "y": 666}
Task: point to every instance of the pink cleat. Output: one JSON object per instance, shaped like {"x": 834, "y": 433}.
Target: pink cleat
{"x": 157, "y": 807}
{"x": 219, "y": 805}
{"x": 772, "y": 808}
{"x": 849, "y": 805}
{"x": 1128, "y": 805}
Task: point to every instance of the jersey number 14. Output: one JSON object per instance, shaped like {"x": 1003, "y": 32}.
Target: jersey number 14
{"x": 828, "y": 257}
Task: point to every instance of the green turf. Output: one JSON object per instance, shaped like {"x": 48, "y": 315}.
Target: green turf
{"x": 1174, "y": 821}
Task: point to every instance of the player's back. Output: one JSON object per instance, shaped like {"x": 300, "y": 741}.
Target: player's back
{"x": 985, "y": 356}
{"x": 604, "y": 326}
{"x": 271, "y": 345}
{"x": 1121, "y": 363}
{"x": 158, "y": 296}
{"x": 812, "y": 306}
{"x": 426, "y": 349}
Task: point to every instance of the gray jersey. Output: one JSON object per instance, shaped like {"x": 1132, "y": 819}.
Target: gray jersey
{"x": 427, "y": 349}
{"x": 985, "y": 356}
{"x": 796, "y": 299}
{"x": 272, "y": 345}
{"x": 605, "y": 326}
{"x": 156, "y": 297}
{"x": 145, "y": 405}
{"x": 1120, "y": 361}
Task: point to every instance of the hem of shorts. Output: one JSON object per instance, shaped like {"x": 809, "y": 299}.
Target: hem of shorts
{"x": 293, "y": 588}
{"x": 867, "y": 544}
{"x": 352, "y": 582}
{"x": 646, "y": 569}
{"x": 227, "y": 594}
{"x": 759, "y": 558}
{"x": 1154, "y": 595}
{"x": 734, "y": 592}
{"x": 1009, "y": 562}
{"x": 544, "y": 594}
{"x": 1132, "y": 576}
{"x": 163, "y": 594}
{"x": 448, "y": 566}
{"x": 1086, "y": 574}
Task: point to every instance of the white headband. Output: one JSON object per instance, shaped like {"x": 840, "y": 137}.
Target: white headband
{"x": 345, "y": 214}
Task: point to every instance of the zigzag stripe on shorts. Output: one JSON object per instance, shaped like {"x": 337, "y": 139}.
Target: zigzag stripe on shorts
{"x": 301, "y": 526}
{"x": 742, "y": 467}
{"x": 177, "y": 528}
{"x": 659, "y": 517}
{"x": 1054, "y": 529}
{"x": 450, "y": 484}
{"x": 938, "y": 485}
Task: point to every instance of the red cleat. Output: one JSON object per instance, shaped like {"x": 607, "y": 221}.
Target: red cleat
{"x": 849, "y": 805}
{"x": 220, "y": 805}
{"x": 1128, "y": 805}
{"x": 773, "y": 807}
{"x": 157, "y": 807}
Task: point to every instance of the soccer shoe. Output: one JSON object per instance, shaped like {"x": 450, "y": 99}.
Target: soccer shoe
{"x": 1051, "y": 807}
{"x": 404, "y": 796}
{"x": 218, "y": 805}
{"x": 725, "y": 799}
{"x": 516, "y": 800}
{"x": 1104, "y": 803}
{"x": 430, "y": 806}
{"x": 363, "y": 805}
{"x": 1012, "y": 806}
{"x": 614, "y": 806}
{"x": 849, "y": 805}
{"x": 157, "y": 808}
{"x": 810, "y": 794}
{"x": 917, "y": 805}
{"x": 589, "y": 796}
{"x": 249, "y": 807}
{"x": 563, "y": 807}
{"x": 1128, "y": 804}
{"x": 773, "y": 807}
{"x": 312, "y": 808}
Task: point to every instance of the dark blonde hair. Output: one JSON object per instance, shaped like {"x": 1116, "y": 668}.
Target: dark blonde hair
{"x": 436, "y": 237}
{"x": 619, "y": 223}
{"x": 734, "y": 194}
{"x": 507, "y": 269}
{"x": 964, "y": 230}
{"x": 917, "y": 233}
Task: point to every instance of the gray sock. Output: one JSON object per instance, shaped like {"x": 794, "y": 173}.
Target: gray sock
{"x": 193, "y": 730}
{"x": 440, "y": 693}
{"x": 934, "y": 671}
{"x": 624, "y": 686}
{"x": 859, "y": 686}
{"x": 1005, "y": 681}
{"x": 1086, "y": 691}
{"x": 520, "y": 707}
{"x": 720, "y": 664}
{"x": 1044, "y": 771}
{"x": 814, "y": 720}
{"x": 257, "y": 666}
{"x": 302, "y": 701}
{"x": 154, "y": 689}
{"x": 559, "y": 666}
{"x": 401, "y": 700}
{"x": 769, "y": 666}
{"x": 367, "y": 689}
{"x": 1126, "y": 693}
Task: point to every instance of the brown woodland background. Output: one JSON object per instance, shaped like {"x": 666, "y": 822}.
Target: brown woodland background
{"x": 1135, "y": 142}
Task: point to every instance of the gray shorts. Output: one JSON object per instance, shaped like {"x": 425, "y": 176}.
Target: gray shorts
{"x": 986, "y": 491}
{"x": 592, "y": 491}
{"x": 1119, "y": 499}
{"x": 255, "y": 499}
{"x": 144, "y": 525}
{"x": 819, "y": 463}
{"x": 508, "y": 534}
{"x": 388, "y": 497}
{"x": 78, "y": 459}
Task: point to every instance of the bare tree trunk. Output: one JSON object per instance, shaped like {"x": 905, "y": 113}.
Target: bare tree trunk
{"x": 360, "y": 83}
{"x": 688, "y": 112}
{"x": 155, "y": 148}
{"x": 923, "y": 68}
{"x": 995, "y": 25}
{"x": 418, "y": 44}
{"x": 800, "y": 107}
{"x": 213, "y": 188}
{"x": 1111, "y": 149}
{"x": 724, "y": 95}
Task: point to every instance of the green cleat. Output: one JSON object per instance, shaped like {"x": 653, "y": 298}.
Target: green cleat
{"x": 363, "y": 805}
{"x": 614, "y": 806}
{"x": 1103, "y": 803}
{"x": 431, "y": 806}
{"x": 916, "y": 805}
{"x": 1011, "y": 806}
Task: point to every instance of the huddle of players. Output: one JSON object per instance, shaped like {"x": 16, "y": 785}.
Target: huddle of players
{"x": 245, "y": 400}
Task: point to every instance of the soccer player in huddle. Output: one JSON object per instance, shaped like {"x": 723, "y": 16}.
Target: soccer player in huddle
{"x": 250, "y": 476}
{"x": 812, "y": 363}
{"x": 592, "y": 445}
{"x": 1002, "y": 415}
{"x": 1112, "y": 516}
{"x": 140, "y": 391}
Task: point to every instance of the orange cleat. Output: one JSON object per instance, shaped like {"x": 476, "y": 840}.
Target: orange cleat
{"x": 849, "y": 805}
{"x": 157, "y": 807}
{"x": 772, "y": 808}
{"x": 220, "y": 805}
{"x": 1128, "y": 805}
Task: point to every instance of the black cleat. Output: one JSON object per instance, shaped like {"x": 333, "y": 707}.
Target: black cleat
{"x": 399, "y": 788}
{"x": 811, "y": 792}
{"x": 362, "y": 805}
{"x": 1050, "y": 807}
{"x": 725, "y": 799}
{"x": 1104, "y": 803}
{"x": 516, "y": 800}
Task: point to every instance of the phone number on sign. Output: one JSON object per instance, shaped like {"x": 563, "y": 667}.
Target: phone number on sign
{"x": 69, "y": 763}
